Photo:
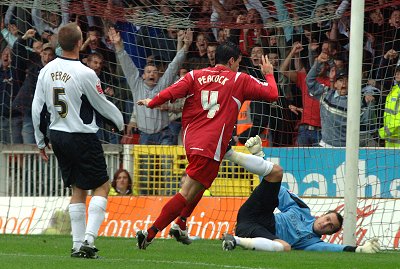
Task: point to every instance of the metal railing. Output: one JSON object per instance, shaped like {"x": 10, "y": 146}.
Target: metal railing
{"x": 155, "y": 170}
{"x": 24, "y": 173}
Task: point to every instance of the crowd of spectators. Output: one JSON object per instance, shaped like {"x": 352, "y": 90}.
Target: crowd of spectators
{"x": 135, "y": 60}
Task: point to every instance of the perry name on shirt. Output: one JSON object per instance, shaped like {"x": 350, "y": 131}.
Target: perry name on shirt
{"x": 60, "y": 76}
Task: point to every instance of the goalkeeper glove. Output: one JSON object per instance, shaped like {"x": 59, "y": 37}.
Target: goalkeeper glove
{"x": 370, "y": 246}
{"x": 253, "y": 144}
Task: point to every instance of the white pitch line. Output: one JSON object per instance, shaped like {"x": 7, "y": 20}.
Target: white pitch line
{"x": 200, "y": 264}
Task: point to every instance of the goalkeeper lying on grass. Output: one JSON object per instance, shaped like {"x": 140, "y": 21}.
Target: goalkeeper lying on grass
{"x": 258, "y": 228}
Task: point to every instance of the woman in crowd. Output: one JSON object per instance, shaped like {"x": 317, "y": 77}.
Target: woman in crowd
{"x": 121, "y": 184}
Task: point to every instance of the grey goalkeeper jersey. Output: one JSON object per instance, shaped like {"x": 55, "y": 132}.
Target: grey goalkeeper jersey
{"x": 71, "y": 92}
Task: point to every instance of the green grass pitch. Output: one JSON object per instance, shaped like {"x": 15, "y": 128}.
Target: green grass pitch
{"x": 39, "y": 251}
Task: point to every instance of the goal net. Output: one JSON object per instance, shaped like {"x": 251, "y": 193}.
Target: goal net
{"x": 304, "y": 131}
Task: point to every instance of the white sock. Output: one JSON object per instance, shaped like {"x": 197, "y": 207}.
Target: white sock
{"x": 96, "y": 213}
{"x": 259, "y": 243}
{"x": 251, "y": 163}
{"x": 77, "y": 213}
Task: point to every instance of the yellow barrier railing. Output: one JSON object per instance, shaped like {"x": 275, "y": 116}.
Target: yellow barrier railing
{"x": 157, "y": 170}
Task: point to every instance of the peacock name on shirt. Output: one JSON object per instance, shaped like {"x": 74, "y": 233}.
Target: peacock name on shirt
{"x": 212, "y": 78}
{"x": 60, "y": 76}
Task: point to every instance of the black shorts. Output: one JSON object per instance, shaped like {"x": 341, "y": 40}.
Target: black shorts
{"x": 81, "y": 159}
{"x": 256, "y": 216}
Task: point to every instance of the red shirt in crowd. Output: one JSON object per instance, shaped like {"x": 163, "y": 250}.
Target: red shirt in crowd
{"x": 311, "y": 112}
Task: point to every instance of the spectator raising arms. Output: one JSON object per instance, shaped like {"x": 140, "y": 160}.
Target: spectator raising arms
{"x": 71, "y": 92}
{"x": 23, "y": 100}
{"x": 214, "y": 97}
{"x": 48, "y": 23}
{"x": 309, "y": 133}
{"x": 10, "y": 119}
{"x": 26, "y": 50}
{"x": 333, "y": 108}
{"x": 93, "y": 43}
{"x": 152, "y": 124}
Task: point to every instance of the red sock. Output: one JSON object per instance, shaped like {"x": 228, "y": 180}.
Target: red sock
{"x": 168, "y": 213}
{"x": 187, "y": 211}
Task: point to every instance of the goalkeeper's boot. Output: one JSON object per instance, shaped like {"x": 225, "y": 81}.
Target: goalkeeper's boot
{"x": 142, "y": 242}
{"x": 180, "y": 235}
{"x": 228, "y": 242}
{"x": 76, "y": 253}
{"x": 89, "y": 252}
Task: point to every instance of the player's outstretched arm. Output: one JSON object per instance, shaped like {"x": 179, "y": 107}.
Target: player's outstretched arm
{"x": 370, "y": 246}
{"x": 143, "y": 102}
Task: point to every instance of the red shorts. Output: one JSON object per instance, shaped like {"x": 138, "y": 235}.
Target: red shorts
{"x": 202, "y": 169}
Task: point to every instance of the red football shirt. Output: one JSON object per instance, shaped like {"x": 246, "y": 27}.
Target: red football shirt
{"x": 311, "y": 110}
{"x": 214, "y": 97}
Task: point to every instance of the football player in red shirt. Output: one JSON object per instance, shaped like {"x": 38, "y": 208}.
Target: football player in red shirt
{"x": 214, "y": 96}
